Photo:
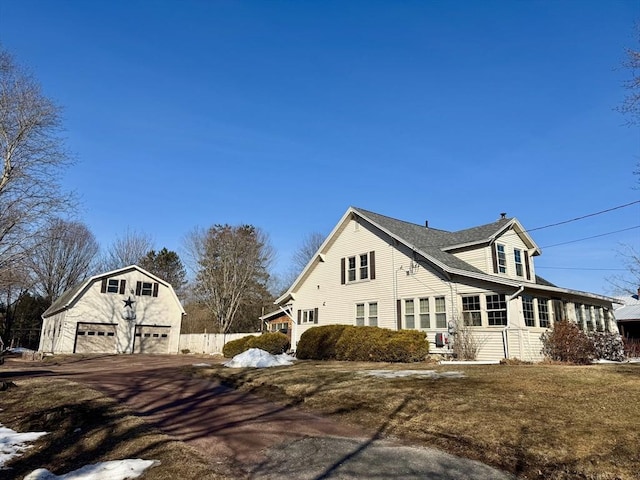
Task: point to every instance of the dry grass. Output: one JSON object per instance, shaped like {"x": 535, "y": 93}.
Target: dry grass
{"x": 537, "y": 421}
{"x": 85, "y": 427}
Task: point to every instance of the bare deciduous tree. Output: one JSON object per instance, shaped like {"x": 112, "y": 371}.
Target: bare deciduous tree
{"x": 65, "y": 257}
{"x": 629, "y": 282}
{"x": 631, "y": 104}
{"x": 232, "y": 269}
{"x": 32, "y": 157}
{"x": 307, "y": 249}
{"x": 128, "y": 249}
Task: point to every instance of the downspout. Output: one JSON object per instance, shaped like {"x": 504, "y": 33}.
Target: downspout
{"x": 505, "y": 335}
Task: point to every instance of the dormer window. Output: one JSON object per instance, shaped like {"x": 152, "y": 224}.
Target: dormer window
{"x": 517, "y": 258}
{"x": 502, "y": 258}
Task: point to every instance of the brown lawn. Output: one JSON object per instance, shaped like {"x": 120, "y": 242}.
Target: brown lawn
{"x": 537, "y": 421}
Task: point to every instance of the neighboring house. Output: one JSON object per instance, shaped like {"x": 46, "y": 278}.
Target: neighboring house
{"x": 628, "y": 316}
{"x": 124, "y": 311}
{"x": 379, "y": 271}
{"x": 278, "y": 321}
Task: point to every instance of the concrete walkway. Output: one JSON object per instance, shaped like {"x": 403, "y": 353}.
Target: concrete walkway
{"x": 266, "y": 440}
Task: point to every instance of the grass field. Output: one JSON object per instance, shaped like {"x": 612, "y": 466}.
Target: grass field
{"x": 537, "y": 421}
{"x": 85, "y": 427}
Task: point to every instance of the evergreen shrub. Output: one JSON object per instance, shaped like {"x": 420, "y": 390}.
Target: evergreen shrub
{"x": 236, "y": 347}
{"x": 273, "y": 342}
{"x": 369, "y": 344}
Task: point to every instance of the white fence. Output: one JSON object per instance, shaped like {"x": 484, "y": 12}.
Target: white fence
{"x": 208, "y": 342}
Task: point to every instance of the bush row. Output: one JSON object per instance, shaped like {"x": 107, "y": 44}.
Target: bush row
{"x": 567, "y": 343}
{"x": 370, "y": 344}
{"x": 272, "y": 342}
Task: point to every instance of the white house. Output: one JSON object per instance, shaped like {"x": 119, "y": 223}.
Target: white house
{"x": 380, "y": 271}
{"x": 124, "y": 311}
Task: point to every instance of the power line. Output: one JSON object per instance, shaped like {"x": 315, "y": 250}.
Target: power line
{"x": 589, "y": 238}
{"x": 584, "y": 216}
{"x": 581, "y": 268}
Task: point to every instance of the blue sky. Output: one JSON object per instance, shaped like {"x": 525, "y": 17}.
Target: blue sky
{"x": 282, "y": 114}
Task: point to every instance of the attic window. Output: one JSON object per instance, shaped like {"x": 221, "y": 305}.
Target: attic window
{"x": 517, "y": 258}
{"x": 113, "y": 285}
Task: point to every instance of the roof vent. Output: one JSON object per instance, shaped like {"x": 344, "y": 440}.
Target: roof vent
{"x": 503, "y": 215}
{"x": 426, "y": 224}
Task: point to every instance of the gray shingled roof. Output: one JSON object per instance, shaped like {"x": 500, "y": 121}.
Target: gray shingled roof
{"x": 63, "y": 299}
{"x": 432, "y": 241}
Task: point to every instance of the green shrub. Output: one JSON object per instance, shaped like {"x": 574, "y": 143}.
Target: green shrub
{"x": 369, "y": 344}
{"x": 235, "y": 347}
{"x": 319, "y": 343}
{"x": 567, "y": 343}
{"x": 274, "y": 343}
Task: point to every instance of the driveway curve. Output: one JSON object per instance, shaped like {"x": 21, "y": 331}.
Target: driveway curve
{"x": 264, "y": 439}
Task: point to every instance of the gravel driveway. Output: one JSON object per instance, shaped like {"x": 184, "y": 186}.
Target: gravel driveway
{"x": 266, "y": 440}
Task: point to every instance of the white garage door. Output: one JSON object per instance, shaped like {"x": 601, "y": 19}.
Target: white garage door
{"x": 95, "y": 338}
{"x": 151, "y": 339}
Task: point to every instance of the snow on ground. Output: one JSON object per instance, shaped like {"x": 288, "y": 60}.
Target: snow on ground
{"x": 201, "y": 364}
{"x": 413, "y": 373}
{"x": 20, "y": 350}
{"x": 113, "y": 470}
{"x": 257, "y": 358}
{"x": 12, "y": 443}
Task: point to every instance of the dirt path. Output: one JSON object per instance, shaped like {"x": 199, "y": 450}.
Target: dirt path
{"x": 266, "y": 440}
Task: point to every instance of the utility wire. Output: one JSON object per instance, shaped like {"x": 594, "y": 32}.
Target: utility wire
{"x": 580, "y": 268}
{"x": 585, "y": 216}
{"x": 589, "y": 238}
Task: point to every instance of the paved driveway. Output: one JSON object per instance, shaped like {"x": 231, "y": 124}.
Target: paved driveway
{"x": 266, "y": 440}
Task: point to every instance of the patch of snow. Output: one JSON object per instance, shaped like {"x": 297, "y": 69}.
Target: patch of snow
{"x": 201, "y": 364}
{"x": 257, "y": 358}
{"x": 413, "y": 373}
{"x": 113, "y": 470}
{"x": 20, "y": 350}
{"x": 12, "y": 443}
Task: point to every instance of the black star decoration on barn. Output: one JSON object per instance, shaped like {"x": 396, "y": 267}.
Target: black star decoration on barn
{"x": 128, "y": 302}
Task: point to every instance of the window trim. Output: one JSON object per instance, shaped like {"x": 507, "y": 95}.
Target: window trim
{"x": 471, "y": 317}
{"x": 502, "y": 307}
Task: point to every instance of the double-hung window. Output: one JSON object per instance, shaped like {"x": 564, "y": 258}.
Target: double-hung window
{"x": 409, "y": 314}
{"x": 502, "y": 258}
{"x": 441, "y": 313}
{"x": 364, "y": 266}
{"x": 543, "y": 312}
{"x": 579, "y": 316}
{"x": 425, "y": 320}
{"x": 360, "y": 314}
{"x": 471, "y": 313}
{"x": 528, "y": 311}
{"x": 517, "y": 258}
{"x": 373, "y": 314}
{"x": 496, "y": 309}
{"x": 588, "y": 317}
{"x": 308, "y": 316}
{"x": 351, "y": 271}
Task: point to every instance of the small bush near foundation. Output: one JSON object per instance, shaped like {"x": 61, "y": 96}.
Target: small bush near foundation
{"x": 274, "y": 343}
{"x": 607, "y": 346}
{"x": 369, "y": 344}
{"x": 185, "y": 351}
{"x": 236, "y": 347}
{"x": 567, "y": 343}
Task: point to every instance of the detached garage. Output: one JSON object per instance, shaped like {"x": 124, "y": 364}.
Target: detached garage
{"x": 124, "y": 311}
